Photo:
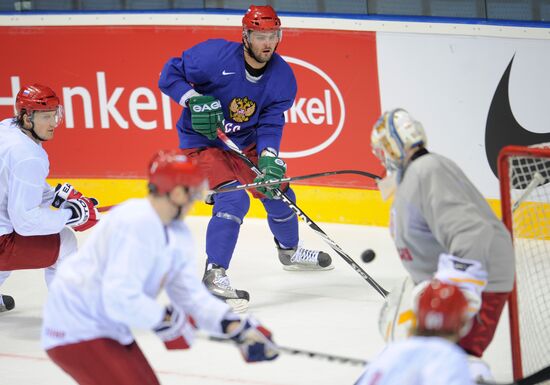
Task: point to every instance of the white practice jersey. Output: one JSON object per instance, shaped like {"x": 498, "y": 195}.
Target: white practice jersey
{"x": 110, "y": 285}
{"x": 25, "y": 196}
{"x": 418, "y": 361}
{"x": 436, "y": 210}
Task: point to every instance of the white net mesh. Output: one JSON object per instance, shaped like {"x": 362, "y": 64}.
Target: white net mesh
{"x": 529, "y": 186}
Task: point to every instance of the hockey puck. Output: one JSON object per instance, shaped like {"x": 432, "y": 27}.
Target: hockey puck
{"x": 368, "y": 255}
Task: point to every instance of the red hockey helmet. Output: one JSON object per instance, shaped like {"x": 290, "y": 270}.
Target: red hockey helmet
{"x": 261, "y": 18}
{"x": 442, "y": 308}
{"x": 171, "y": 168}
{"x": 36, "y": 97}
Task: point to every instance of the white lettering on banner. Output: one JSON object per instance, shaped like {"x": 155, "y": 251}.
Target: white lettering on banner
{"x": 317, "y": 111}
{"x": 296, "y": 111}
{"x": 166, "y": 111}
{"x": 315, "y": 106}
{"x": 10, "y": 100}
{"x": 107, "y": 106}
{"x": 68, "y": 94}
{"x": 135, "y": 106}
{"x": 328, "y": 104}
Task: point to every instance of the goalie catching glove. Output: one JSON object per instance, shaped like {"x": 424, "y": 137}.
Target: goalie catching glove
{"x": 176, "y": 330}
{"x": 254, "y": 341}
{"x": 83, "y": 211}
{"x": 206, "y": 115}
{"x": 272, "y": 167}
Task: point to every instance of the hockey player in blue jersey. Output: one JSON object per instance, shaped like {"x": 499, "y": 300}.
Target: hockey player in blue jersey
{"x": 244, "y": 88}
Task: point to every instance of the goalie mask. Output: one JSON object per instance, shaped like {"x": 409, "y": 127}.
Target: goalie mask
{"x": 393, "y": 137}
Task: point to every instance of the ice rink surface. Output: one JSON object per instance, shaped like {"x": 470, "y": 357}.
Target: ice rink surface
{"x": 333, "y": 312}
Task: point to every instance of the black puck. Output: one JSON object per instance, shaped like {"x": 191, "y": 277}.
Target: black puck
{"x": 368, "y": 255}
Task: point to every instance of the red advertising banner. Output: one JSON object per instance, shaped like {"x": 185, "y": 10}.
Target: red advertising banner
{"x": 116, "y": 117}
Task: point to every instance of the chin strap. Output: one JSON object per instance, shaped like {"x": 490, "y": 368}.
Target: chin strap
{"x": 31, "y": 130}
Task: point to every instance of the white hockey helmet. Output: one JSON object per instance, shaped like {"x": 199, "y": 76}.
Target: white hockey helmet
{"x": 394, "y": 134}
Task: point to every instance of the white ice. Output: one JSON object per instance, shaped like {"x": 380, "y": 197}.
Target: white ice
{"x": 334, "y": 312}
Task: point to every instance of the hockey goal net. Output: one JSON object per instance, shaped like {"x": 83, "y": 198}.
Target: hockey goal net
{"x": 524, "y": 174}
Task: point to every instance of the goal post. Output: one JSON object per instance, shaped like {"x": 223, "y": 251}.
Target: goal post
{"x": 524, "y": 177}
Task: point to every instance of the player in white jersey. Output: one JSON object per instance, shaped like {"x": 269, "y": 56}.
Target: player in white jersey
{"x": 442, "y": 226}
{"x": 430, "y": 356}
{"x": 110, "y": 286}
{"x": 31, "y": 234}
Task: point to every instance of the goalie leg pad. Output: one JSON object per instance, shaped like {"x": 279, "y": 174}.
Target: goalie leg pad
{"x": 479, "y": 370}
{"x": 397, "y": 317}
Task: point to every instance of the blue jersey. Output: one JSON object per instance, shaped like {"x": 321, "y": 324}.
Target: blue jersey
{"x": 253, "y": 112}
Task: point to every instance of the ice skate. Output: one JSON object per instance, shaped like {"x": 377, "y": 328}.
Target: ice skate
{"x": 6, "y": 303}
{"x": 300, "y": 259}
{"x": 217, "y": 282}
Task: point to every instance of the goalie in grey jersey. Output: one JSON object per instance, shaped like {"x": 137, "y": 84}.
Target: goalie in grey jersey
{"x": 442, "y": 226}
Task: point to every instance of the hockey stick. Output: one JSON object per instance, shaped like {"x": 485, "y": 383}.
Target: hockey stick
{"x": 306, "y": 353}
{"x": 237, "y": 151}
{"x": 277, "y": 181}
{"x": 535, "y": 378}
{"x": 294, "y": 178}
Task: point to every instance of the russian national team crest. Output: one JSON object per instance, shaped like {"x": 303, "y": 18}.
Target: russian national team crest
{"x": 241, "y": 109}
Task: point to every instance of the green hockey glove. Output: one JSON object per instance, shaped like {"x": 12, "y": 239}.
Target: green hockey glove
{"x": 206, "y": 115}
{"x": 271, "y": 168}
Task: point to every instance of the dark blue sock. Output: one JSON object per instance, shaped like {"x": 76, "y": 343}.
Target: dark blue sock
{"x": 223, "y": 229}
{"x": 283, "y": 222}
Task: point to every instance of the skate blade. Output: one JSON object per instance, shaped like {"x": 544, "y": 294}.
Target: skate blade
{"x": 238, "y": 305}
{"x": 306, "y": 268}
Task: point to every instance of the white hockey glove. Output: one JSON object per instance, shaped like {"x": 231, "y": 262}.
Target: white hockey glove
{"x": 63, "y": 192}
{"x": 176, "y": 330}
{"x": 255, "y": 341}
{"x": 83, "y": 213}
{"x": 468, "y": 274}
